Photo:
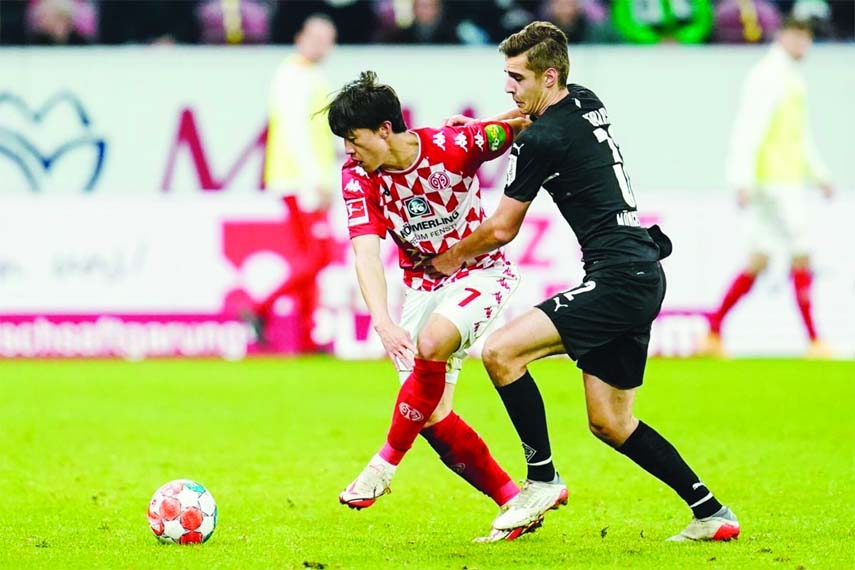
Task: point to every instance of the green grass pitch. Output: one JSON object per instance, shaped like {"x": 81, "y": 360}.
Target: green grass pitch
{"x": 83, "y": 446}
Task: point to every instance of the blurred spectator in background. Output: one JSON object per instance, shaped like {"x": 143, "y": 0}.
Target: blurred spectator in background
{"x": 490, "y": 21}
{"x": 583, "y": 21}
{"x": 745, "y": 21}
{"x": 300, "y": 167}
{"x": 818, "y": 14}
{"x": 427, "y": 25}
{"x": 234, "y": 21}
{"x": 830, "y": 19}
{"x": 61, "y": 22}
{"x": 148, "y": 22}
{"x": 356, "y": 21}
{"x": 772, "y": 159}
{"x": 658, "y": 21}
{"x": 12, "y": 17}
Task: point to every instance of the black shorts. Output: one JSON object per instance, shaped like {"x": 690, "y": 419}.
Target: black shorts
{"x": 604, "y": 323}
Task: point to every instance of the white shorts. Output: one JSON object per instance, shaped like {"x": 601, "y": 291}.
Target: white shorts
{"x": 472, "y": 303}
{"x": 776, "y": 220}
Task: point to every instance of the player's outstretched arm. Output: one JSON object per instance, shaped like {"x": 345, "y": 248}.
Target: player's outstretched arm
{"x": 513, "y": 117}
{"x": 497, "y": 230}
{"x": 372, "y": 282}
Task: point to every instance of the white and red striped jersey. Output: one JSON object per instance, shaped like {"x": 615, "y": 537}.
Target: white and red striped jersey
{"x": 431, "y": 205}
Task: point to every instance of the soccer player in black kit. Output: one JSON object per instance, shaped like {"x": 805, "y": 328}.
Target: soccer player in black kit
{"x": 603, "y": 323}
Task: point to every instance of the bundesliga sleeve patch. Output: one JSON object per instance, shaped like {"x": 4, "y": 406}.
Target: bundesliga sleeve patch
{"x": 495, "y": 136}
{"x": 357, "y": 212}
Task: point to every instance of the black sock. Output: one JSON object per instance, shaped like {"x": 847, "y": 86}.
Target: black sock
{"x": 525, "y": 407}
{"x": 654, "y": 454}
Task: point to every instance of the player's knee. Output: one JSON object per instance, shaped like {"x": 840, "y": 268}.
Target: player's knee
{"x": 800, "y": 262}
{"x": 608, "y": 430}
{"x": 758, "y": 263}
{"x": 495, "y": 358}
{"x": 431, "y": 348}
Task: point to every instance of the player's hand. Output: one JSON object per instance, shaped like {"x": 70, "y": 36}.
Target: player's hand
{"x": 424, "y": 262}
{"x": 743, "y": 197}
{"x": 826, "y": 189}
{"x": 445, "y": 263}
{"x": 458, "y": 120}
{"x": 398, "y": 344}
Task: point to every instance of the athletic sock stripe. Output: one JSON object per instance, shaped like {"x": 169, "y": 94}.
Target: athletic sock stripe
{"x": 539, "y": 463}
{"x": 705, "y": 499}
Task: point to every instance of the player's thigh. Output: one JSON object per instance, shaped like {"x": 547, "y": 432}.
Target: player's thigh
{"x": 620, "y": 362}
{"x": 526, "y": 338}
{"x": 794, "y": 224}
{"x": 439, "y": 338}
{"x": 760, "y": 226}
{"x": 416, "y": 310}
{"x": 474, "y": 302}
{"x": 609, "y": 304}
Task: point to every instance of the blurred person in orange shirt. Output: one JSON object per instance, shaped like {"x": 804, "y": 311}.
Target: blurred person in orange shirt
{"x": 300, "y": 166}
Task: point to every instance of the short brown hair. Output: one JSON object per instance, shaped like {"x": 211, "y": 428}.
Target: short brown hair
{"x": 545, "y": 46}
{"x": 793, "y": 23}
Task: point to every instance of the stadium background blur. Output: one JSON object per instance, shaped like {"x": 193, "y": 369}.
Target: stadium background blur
{"x": 134, "y": 224}
{"x": 133, "y": 216}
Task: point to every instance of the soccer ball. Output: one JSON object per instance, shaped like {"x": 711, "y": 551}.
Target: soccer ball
{"x": 182, "y": 511}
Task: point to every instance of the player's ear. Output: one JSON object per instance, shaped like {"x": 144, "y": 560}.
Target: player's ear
{"x": 550, "y": 77}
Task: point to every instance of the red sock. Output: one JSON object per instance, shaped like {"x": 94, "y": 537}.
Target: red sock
{"x": 741, "y": 285}
{"x": 417, "y": 399}
{"x": 802, "y": 280}
{"x": 464, "y": 452}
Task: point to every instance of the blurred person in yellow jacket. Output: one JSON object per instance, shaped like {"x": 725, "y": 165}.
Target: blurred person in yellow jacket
{"x": 772, "y": 161}
{"x": 300, "y": 166}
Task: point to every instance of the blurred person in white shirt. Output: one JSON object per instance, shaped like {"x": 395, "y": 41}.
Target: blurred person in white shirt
{"x": 772, "y": 161}
{"x": 300, "y": 166}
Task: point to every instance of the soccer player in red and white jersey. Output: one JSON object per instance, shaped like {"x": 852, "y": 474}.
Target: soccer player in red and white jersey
{"x": 420, "y": 187}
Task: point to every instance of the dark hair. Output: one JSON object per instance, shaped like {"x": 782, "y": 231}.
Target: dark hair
{"x": 545, "y": 46}
{"x": 365, "y": 104}
{"x": 793, "y": 23}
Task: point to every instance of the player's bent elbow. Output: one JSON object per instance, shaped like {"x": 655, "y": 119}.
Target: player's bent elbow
{"x": 504, "y": 236}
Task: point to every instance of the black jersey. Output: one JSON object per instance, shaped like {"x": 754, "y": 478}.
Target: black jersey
{"x": 569, "y": 151}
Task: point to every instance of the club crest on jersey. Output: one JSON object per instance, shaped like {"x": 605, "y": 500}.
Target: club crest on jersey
{"x": 439, "y": 180}
{"x": 495, "y": 136}
{"x": 418, "y": 207}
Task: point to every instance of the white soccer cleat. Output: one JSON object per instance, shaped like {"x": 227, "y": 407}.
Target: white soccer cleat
{"x": 534, "y": 500}
{"x": 721, "y": 526}
{"x": 497, "y": 535}
{"x": 372, "y": 483}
